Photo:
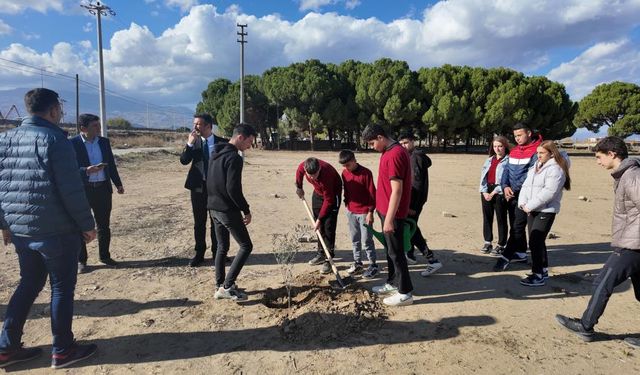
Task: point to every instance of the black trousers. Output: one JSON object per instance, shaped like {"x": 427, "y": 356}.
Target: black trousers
{"x": 517, "y": 242}
{"x": 497, "y": 207}
{"x": 100, "y": 200}
{"x": 539, "y": 224}
{"x": 226, "y": 223}
{"x": 396, "y": 259}
{"x": 621, "y": 265}
{"x": 417, "y": 240}
{"x": 200, "y": 215}
{"x": 327, "y": 224}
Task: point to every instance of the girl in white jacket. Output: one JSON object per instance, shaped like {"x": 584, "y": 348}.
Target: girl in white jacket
{"x": 540, "y": 198}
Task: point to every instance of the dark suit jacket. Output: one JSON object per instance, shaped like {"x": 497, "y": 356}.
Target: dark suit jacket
{"x": 111, "y": 171}
{"x": 193, "y": 155}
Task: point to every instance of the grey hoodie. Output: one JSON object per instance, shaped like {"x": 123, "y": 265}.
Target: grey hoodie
{"x": 625, "y": 229}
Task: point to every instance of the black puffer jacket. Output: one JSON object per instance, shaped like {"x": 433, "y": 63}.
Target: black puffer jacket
{"x": 224, "y": 184}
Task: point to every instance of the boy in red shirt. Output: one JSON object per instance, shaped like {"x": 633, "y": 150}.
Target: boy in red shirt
{"x": 392, "y": 203}
{"x": 360, "y": 201}
{"x": 325, "y": 202}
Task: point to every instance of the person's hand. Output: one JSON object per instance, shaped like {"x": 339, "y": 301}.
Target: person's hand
{"x": 388, "y": 227}
{"x": 246, "y": 219}
{"x": 508, "y": 193}
{"x": 412, "y": 212}
{"x": 89, "y": 235}
{"x": 525, "y": 209}
{"x": 316, "y": 226}
{"x": 487, "y": 196}
{"x": 369, "y": 218}
{"x": 120, "y": 189}
{"x": 95, "y": 168}
{"x": 300, "y": 193}
{"x": 6, "y": 237}
{"x": 192, "y": 137}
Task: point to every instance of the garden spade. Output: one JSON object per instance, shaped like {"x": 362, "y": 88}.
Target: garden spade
{"x": 343, "y": 283}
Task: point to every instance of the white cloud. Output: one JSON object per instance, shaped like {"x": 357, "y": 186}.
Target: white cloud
{"x": 5, "y": 28}
{"x": 184, "y": 5}
{"x": 16, "y": 7}
{"x": 178, "y": 63}
{"x": 352, "y": 4}
{"x": 88, "y": 27}
{"x": 314, "y": 4}
{"x": 602, "y": 63}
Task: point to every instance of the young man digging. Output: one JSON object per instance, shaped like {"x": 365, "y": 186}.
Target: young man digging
{"x": 392, "y": 203}
{"x": 624, "y": 262}
{"x": 360, "y": 201}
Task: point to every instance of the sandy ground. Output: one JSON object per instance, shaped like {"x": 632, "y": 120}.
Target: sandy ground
{"x": 154, "y": 314}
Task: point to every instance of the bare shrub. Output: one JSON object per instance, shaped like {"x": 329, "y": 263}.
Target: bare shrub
{"x": 285, "y": 248}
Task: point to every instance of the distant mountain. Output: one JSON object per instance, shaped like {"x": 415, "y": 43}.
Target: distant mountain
{"x": 136, "y": 112}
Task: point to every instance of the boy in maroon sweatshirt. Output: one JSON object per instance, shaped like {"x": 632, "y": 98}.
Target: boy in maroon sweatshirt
{"x": 325, "y": 202}
{"x": 360, "y": 201}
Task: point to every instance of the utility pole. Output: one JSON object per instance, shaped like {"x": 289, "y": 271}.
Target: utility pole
{"x": 78, "y": 104}
{"x": 99, "y": 10}
{"x": 242, "y": 34}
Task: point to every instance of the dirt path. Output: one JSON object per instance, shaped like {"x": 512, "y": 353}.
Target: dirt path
{"x": 154, "y": 314}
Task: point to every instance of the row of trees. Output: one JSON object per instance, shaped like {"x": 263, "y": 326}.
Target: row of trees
{"x": 442, "y": 104}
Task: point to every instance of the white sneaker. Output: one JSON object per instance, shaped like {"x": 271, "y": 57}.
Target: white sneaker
{"x": 431, "y": 268}
{"x": 398, "y": 299}
{"x": 383, "y": 289}
{"x": 231, "y": 293}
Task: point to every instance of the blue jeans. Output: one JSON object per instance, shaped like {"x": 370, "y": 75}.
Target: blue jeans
{"x": 360, "y": 237}
{"x": 56, "y": 257}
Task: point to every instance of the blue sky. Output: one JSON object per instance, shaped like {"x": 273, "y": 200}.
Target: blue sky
{"x": 166, "y": 51}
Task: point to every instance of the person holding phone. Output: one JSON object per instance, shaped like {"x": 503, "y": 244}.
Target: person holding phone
{"x": 198, "y": 151}
{"x": 98, "y": 170}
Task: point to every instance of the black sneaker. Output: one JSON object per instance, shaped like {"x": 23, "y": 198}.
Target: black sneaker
{"x": 533, "y": 280}
{"x": 497, "y": 251}
{"x": 519, "y": 258}
{"x": 501, "y": 265}
{"x": 326, "y": 268}
{"x": 317, "y": 260}
{"x": 21, "y": 354}
{"x": 109, "y": 262}
{"x": 575, "y": 325}
{"x": 545, "y": 274}
{"x": 486, "y": 248}
{"x": 75, "y": 353}
{"x": 632, "y": 342}
{"x": 196, "y": 261}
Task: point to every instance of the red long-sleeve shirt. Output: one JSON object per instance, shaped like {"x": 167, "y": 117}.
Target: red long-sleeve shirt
{"x": 359, "y": 190}
{"x": 328, "y": 185}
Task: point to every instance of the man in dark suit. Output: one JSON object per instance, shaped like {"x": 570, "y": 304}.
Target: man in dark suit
{"x": 198, "y": 152}
{"x": 97, "y": 169}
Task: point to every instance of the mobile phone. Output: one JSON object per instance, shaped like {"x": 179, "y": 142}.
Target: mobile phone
{"x": 101, "y": 165}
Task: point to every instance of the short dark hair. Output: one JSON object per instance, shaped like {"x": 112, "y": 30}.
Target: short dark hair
{"x": 345, "y": 156}
{"x": 311, "y": 165}
{"x": 407, "y": 135}
{"x": 372, "y": 131}
{"x": 244, "y": 130}
{"x": 613, "y": 144}
{"x": 521, "y": 125}
{"x": 40, "y": 100}
{"x": 204, "y": 117}
{"x": 87, "y": 118}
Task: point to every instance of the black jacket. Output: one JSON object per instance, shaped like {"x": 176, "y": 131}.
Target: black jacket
{"x": 111, "y": 171}
{"x": 193, "y": 155}
{"x": 420, "y": 164}
{"x": 224, "y": 188}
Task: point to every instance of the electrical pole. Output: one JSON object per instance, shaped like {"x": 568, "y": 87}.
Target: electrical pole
{"x": 77, "y": 104}
{"x": 99, "y": 10}
{"x": 242, "y": 34}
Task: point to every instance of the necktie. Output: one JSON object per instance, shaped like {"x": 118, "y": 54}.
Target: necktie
{"x": 205, "y": 156}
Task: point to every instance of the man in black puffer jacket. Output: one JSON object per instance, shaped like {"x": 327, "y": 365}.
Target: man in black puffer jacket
{"x": 45, "y": 213}
{"x": 229, "y": 209}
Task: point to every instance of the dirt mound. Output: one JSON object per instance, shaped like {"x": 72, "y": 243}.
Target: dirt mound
{"x": 320, "y": 312}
